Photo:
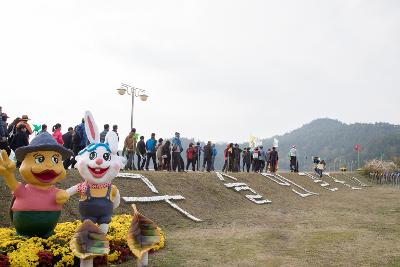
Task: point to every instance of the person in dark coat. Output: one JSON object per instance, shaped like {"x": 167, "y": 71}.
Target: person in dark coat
{"x": 20, "y": 139}
{"x": 166, "y": 155}
{"x": 246, "y": 159}
{"x": 208, "y": 151}
{"x": 104, "y": 133}
{"x": 141, "y": 153}
{"x": 274, "y": 159}
{"x": 236, "y": 158}
{"x": 67, "y": 138}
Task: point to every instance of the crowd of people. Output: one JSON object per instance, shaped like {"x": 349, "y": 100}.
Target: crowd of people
{"x": 257, "y": 159}
{"x": 162, "y": 155}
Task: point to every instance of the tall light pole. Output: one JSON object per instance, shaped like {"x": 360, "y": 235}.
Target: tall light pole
{"x": 134, "y": 92}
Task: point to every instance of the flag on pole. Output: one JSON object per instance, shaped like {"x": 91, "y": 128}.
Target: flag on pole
{"x": 357, "y": 147}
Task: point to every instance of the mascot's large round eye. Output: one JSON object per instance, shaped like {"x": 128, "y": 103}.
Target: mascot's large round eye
{"x": 39, "y": 159}
{"x": 92, "y": 155}
{"x": 54, "y": 159}
{"x": 107, "y": 156}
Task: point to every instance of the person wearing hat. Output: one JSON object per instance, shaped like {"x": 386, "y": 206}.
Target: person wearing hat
{"x": 24, "y": 120}
{"x": 3, "y": 134}
{"x": 36, "y": 205}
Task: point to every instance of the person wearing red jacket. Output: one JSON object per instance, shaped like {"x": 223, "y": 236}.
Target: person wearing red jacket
{"x": 57, "y": 135}
{"x": 190, "y": 157}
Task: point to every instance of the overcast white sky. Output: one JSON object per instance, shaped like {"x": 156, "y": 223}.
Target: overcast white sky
{"x": 214, "y": 70}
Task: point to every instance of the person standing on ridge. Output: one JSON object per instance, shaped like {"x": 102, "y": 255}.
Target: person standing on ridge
{"x": 20, "y": 139}
{"x": 57, "y": 135}
{"x": 274, "y": 160}
{"x": 151, "y": 151}
{"x": 190, "y": 151}
{"x": 67, "y": 139}
{"x": 24, "y": 120}
{"x": 130, "y": 148}
{"x": 293, "y": 158}
{"x": 262, "y": 158}
{"x": 104, "y": 133}
{"x": 176, "y": 152}
{"x": 166, "y": 155}
{"x": 207, "y": 156}
{"x": 198, "y": 150}
{"x": 79, "y": 140}
{"x": 159, "y": 153}
{"x": 43, "y": 128}
{"x": 214, "y": 155}
{"x": 141, "y": 153}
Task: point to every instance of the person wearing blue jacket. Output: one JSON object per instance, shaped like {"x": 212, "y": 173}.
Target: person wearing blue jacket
{"x": 214, "y": 154}
{"x": 151, "y": 151}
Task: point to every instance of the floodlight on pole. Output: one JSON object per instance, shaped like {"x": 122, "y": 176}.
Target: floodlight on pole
{"x": 134, "y": 92}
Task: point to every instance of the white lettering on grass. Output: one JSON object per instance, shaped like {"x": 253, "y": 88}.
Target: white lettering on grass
{"x": 255, "y": 198}
{"x": 279, "y": 179}
{"x": 166, "y": 198}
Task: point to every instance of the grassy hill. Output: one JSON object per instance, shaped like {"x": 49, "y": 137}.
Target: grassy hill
{"x": 342, "y": 228}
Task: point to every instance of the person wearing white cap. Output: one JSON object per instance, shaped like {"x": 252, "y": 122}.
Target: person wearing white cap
{"x": 293, "y": 159}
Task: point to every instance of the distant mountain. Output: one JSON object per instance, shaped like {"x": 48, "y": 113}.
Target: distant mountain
{"x": 333, "y": 141}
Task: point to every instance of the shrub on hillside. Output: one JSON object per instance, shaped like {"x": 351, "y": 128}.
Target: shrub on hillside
{"x": 379, "y": 167}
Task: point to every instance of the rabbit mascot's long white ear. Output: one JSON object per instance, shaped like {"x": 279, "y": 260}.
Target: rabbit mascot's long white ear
{"x": 92, "y": 132}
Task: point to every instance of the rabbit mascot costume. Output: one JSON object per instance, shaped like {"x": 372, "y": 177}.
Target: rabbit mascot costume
{"x": 98, "y": 164}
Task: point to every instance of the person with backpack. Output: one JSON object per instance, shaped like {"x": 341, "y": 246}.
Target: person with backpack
{"x": 20, "y": 139}
{"x": 12, "y": 129}
{"x": 176, "y": 153}
{"x": 151, "y": 151}
{"x": 319, "y": 169}
{"x": 4, "y": 145}
{"x": 57, "y": 135}
{"x": 141, "y": 153}
{"x": 190, "y": 152}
